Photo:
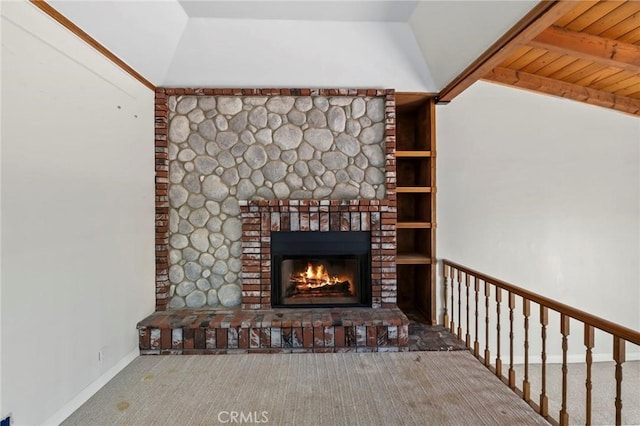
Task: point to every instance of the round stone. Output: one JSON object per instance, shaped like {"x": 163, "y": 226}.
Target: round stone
{"x": 213, "y": 207}
{"x": 196, "y": 299}
{"x": 255, "y": 156}
{"x": 315, "y": 118}
{"x": 321, "y": 192}
{"x": 184, "y": 227}
{"x": 289, "y": 157}
{"x": 207, "y": 103}
{"x": 239, "y": 122}
{"x": 316, "y": 167}
{"x": 235, "y": 265}
{"x": 175, "y": 256}
{"x": 353, "y": 128}
{"x": 375, "y": 109}
{"x": 229, "y": 105}
{"x": 205, "y": 165}
{"x": 320, "y": 139}
{"x": 207, "y": 130}
{"x": 300, "y": 194}
{"x": 273, "y": 152}
{"x": 381, "y": 192}
{"x": 236, "y": 249}
{"x": 232, "y": 229}
{"x": 197, "y": 144}
{"x": 185, "y": 105}
{"x": 191, "y": 182}
{"x": 177, "y": 196}
{"x": 310, "y": 183}
{"x": 296, "y": 117}
{"x": 258, "y": 117}
{"x": 264, "y": 136}
{"x": 342, "y": 176}
{"x": 364, "y": 121}
{"x": 344, "y": 191}
{"x": 231, "y": 277}
{"x": 189, "y": 166}
{"x": 186, "y": 155}
{"x": 361, "y": 160}
{"x": 335, "y": 160}
{"x": 348, "y": 144}
{"x": 230, "y": 177}
{"x": 173, "y": 220}
{"x": 303, "y": 103}
{"x": 355, "y": 173}
{"x": 275, "y": 171}
{"x": 358, "y": 108}
{"x": 200, "y": 239}
{"x": 190, "y": 254}
{"x": 206, "y": 273}
{"x": 203, "y": 284}
{"x": 305, "y": 151}
{"x": 192, "y": 270}
{"x": 367, "y": 191}
{"x": 219, "y": 268}
{"x": 176, "y": 274}
{"x": 336, "y": 119}
{"x": 173, "y": 151}
{"x": 374, "y": 154}
{"x": 179, "y": 129}
{"x": 373, "y": 134}
{"x": 199, "y": 217}
{"x": 281, "y": 190}
{"x": 288, "y": 137}
{"x": 176, "y": 302}
{"x": 238, "y": 149}
{"x": 321, "y": 103}
{"x": 214, "y": 189}
{"x": 280, "y": 104}
{"x": 184, "y": 212}
{"x": 301, "y": 168}
{"x": 340, "y": 100}
{"x": 185, "y": 288}
{"x": 178, "y": 241}
{"x": 329, "y": 179}
{"x": 244, "y": 171}
{"x": 274, "y": 121}
{"x": 265, "y": 194}
{"x": 212, "y": 298}
{"x": 247, "y": 137}
{"x": 216, "y": 281}
{"x": 196, "y": 116}
{"x": 374, "y": 176}
{"x": 206, "y": 260}
{"x": 222, "y": 253}
{"x": 230, "y": 295}
{"x": 245, "y": 188}
{"x": 176, "y": 172}
{"x": 226, "y": 139}
{"x": 226, "y": 159}
{"x": 231, "y": 207}
{"x": 293, "y": 181}
{"x": 216, "y": 240}
{"x": 257, "y": 178}
{"x": 196, "y": 201}
{"x": 212, "y": 149}
{"x": 221, "y": 123}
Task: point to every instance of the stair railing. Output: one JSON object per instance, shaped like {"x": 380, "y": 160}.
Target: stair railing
{"x": 464, "y": 291}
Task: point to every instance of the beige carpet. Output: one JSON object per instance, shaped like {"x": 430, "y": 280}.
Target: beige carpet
{"x": 412, "y": 388}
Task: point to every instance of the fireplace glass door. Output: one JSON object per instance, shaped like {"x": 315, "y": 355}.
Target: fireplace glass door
{"x": 320, "y": 269}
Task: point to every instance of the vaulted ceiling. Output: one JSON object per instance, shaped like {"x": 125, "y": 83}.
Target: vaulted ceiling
{"x": 587, "y": 50}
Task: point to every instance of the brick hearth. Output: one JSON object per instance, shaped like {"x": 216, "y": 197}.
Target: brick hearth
{"x": 184, "y": 332}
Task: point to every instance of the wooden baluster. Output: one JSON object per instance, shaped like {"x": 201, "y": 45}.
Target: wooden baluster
{"x": 487, "y": 290}
{"x": 459, "y": 307}
{"x": 564, "y": 330}
{"x": 476, "y": 344}
{"x": 544, "y": 321}
{"x": 526, "y": 386}
{"x": 512, "y": 372}
{"x": 467, "y": 339}
{"x": 452, "y": 325}
{"x": 498, "y": 360}
{"x": 619, "y": 358}
{"x": 447, "y": 274}
{"x": 589, "y": 342}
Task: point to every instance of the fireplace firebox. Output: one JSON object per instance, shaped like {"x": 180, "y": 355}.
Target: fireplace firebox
{"x": 320, "y": 269}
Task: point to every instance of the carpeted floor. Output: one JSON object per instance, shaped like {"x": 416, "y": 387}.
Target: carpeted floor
{"x": 410, "y": 388}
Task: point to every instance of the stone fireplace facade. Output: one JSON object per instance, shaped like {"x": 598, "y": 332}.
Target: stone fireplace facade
{"x": 232, "y": 165}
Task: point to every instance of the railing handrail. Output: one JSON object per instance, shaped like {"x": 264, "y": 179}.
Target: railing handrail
{"x": 623, "y": 332}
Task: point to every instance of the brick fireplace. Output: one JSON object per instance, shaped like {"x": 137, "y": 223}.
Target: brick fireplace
{"x": 200, "y": 269}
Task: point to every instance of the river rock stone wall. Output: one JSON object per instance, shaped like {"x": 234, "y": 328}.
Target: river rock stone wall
{"x": 227, "y": 148}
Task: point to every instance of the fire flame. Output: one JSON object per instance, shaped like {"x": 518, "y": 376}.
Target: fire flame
{"x": 317, "y": 276}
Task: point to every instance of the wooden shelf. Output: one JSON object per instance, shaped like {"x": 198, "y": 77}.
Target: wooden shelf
{"x": 412, "y": 259}
{"x": 414, "y": 225}
{"x": 413, "y": 154}
{"x": 414, "y": 189}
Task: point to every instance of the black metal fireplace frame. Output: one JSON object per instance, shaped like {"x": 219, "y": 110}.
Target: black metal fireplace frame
{"x": 296, "y": 245}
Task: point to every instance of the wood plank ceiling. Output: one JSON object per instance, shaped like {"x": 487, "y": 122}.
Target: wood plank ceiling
{"x": 591, "y": 53}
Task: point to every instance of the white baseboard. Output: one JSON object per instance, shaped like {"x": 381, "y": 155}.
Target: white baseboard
{"x": 90, "y": 390}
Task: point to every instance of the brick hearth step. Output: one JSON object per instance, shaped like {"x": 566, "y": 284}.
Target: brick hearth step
{"x": 189, "y": 332}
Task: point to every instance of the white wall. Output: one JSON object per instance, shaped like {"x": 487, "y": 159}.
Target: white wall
{"x": 77, "y": 218}
{"x": 544, "y": 193}
{"x": 270, "y": 53}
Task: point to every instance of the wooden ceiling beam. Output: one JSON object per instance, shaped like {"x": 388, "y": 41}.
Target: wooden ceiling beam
{"x": 608, "y": 52}
{"x": 543, "y": 15}
{"x": 566, "y": 90}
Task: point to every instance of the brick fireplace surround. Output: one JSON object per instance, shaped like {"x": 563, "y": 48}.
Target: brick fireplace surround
{"x": 255, "y": 326}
